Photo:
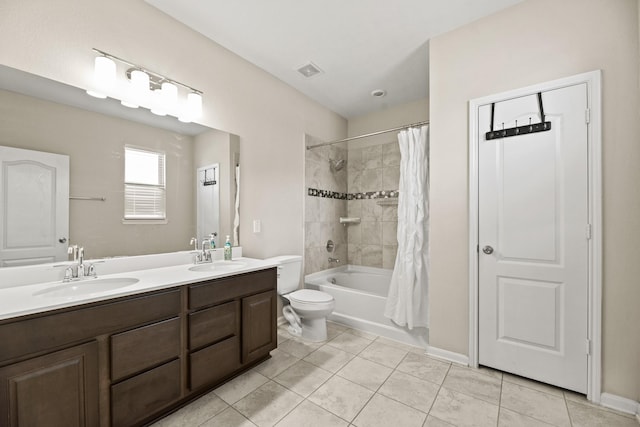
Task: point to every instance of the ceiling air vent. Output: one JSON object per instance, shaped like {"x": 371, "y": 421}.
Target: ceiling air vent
{"x": 309, "y": 70}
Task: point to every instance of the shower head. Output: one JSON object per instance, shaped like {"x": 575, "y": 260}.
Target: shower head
{"x": 336, "y": 165}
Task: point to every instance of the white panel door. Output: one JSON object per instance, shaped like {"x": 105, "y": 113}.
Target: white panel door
{"x": 34, "y": 207}
{"x": 208, "y": 203}
{"x": 533, "y": 213}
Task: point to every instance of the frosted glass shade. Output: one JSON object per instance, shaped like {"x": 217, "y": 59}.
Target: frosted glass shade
{"x": 104, "y": 77}
{"x": 194, "y": 105}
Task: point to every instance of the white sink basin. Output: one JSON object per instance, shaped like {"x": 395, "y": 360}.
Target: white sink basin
{"x": 86, "y": 287}
{"x": 219, "y": 266}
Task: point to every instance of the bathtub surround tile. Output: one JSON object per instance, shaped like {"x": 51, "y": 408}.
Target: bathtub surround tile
{"x": 383, "y": 354}
{"x": 391, "y": 177}
{"x": 371, "y": 232}
{"x": 365, "y": 373}
{"x": 354, "y": 254}
{"x": 390, "y": 213}
{"x": 240, "y": 386}
{"x": 372, "y": 157}
{"x": 279, "y": 361}
{"x": 196, "y": 413}
{"x": 329, "y": 358}
{"x": 371, "y": 180}
{"x": 308, "y": 414}
{"x": 227, "y": 418}
{"x": 462, "y": 410}
{"x": 341, "y": 397}
{"x": 390, "y": 233}
{"x": 589, "y": 416}
{"x": 268, "y": 404}
{"x": 390, "y": 154}
{"x": 535, "y": 404}
{"x": 354, "y": 234}
{"x": 473, "y": 383}
{"x": 372, "y": 256}
{"x": 424, "y": 367}
{"x": 349, "y": 343}
{"x": 355, "y": 160}
{"x": 389, "y": 254}
{"x": 383, "y": 412}
{"x": 412, "y": 391}
{"x": 303, "y": 378}
{"x": 371, "y": 211}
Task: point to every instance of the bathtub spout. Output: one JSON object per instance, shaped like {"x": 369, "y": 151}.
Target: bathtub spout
{"x": 336, "y": 260}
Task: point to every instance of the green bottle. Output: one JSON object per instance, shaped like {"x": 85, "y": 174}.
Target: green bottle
{"x": 227, "y": 249}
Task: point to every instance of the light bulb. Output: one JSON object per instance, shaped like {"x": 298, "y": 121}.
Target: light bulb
{"x": 194, "y": 105}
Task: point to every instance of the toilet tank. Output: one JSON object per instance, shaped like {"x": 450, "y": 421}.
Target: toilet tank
{"x": 289, "y": 272}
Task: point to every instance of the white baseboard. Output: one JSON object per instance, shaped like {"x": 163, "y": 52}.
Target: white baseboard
{"x": 447, "y": 355}
{"x": 621, "y": 404}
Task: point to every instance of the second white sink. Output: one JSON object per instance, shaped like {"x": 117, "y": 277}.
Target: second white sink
{"x": 219, "y": 266}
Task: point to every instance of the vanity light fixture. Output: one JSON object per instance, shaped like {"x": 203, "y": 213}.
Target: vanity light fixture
{"x": 143, "y": 87}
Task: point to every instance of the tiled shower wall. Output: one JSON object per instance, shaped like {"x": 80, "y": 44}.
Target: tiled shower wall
{"x": 322, "y": 214}
{"x": 373, "y": 242}
{"x": 369, "y": 169}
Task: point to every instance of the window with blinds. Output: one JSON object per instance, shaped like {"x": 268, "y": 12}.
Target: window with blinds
{"x": 144, "y": 185}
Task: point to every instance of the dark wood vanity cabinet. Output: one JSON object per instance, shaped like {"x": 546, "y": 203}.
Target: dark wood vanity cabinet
{"x": 127, "y": 361}
{"x": 56, "y": 389}
{"x": 221, "y": 325}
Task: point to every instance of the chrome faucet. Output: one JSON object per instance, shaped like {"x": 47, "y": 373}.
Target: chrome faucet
{"x": 336, "y": 260}
{"x": 205, "y": 256}
{"x": 79, "y": 270}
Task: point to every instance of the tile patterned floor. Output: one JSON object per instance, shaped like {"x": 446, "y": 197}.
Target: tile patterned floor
{"x": 362, "y": 380}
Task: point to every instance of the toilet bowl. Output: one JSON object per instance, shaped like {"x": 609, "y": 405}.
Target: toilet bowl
{"x": 308, "y": 309}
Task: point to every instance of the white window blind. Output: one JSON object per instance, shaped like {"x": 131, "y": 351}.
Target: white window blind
{"x": 144, "y": 184}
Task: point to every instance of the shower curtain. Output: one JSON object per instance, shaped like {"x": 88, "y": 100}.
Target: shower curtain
{"x": 407, "y": 300}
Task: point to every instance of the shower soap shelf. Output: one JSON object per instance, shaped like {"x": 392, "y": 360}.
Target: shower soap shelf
{"x": 349, "y": 220}
{"x": 387, "y": 202}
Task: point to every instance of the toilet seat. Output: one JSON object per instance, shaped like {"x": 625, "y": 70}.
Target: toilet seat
{"x": 310, "y": 296}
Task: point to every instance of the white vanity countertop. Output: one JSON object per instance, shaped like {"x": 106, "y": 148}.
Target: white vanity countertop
{"x": 29, "y": 299}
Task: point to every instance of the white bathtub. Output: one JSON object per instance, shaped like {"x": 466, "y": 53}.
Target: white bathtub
{"x": 361, "y": 294}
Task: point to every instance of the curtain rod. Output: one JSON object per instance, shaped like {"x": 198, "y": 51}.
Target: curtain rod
{"x": 426, "y": 122}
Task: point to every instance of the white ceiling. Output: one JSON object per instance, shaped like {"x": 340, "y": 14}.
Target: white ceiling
{"x": 360, "y": 45}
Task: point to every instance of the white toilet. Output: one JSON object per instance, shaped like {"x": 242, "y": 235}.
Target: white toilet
{"x": 308, "y": 309}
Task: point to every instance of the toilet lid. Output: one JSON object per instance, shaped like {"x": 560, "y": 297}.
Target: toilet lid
{"x": 310, "y": 295}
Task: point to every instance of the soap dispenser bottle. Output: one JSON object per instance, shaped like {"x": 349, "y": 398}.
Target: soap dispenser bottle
{"x": 227, "y": 249}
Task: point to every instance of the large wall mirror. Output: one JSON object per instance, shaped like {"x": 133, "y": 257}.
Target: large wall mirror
{"x": 44, "y": 116}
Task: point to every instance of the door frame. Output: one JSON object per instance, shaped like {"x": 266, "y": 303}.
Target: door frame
{"x": 594, "y": 153}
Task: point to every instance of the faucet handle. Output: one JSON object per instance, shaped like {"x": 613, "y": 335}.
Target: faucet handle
{"x": 194, "y": 242}
{"x": 68, "y": 274}
{"x": 91, "y": 271}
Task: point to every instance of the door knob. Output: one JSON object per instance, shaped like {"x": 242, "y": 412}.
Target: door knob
{"x": 62, "y": 240}
{"x": 487, "y": 250}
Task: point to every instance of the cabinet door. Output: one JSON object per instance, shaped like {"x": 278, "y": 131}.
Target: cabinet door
{"x": 259, "y": 335}
{"x": 57, "y": 389}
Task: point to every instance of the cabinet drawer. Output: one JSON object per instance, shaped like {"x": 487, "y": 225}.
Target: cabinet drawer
{"x": 228, "y": 288}
{"x": 213, "y": 324}
{"x": 214, "y": 363}
{"x": 142, "y": 348}
{"x": 139, "y": 397}
{"x": 48, "y": 331}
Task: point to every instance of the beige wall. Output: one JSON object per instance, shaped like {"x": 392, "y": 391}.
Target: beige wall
{"x": 95, "y": 144}
{"x": 399, "y": 115}
{"x": 54, "y": 40}
{"x": 532, "y": 42}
